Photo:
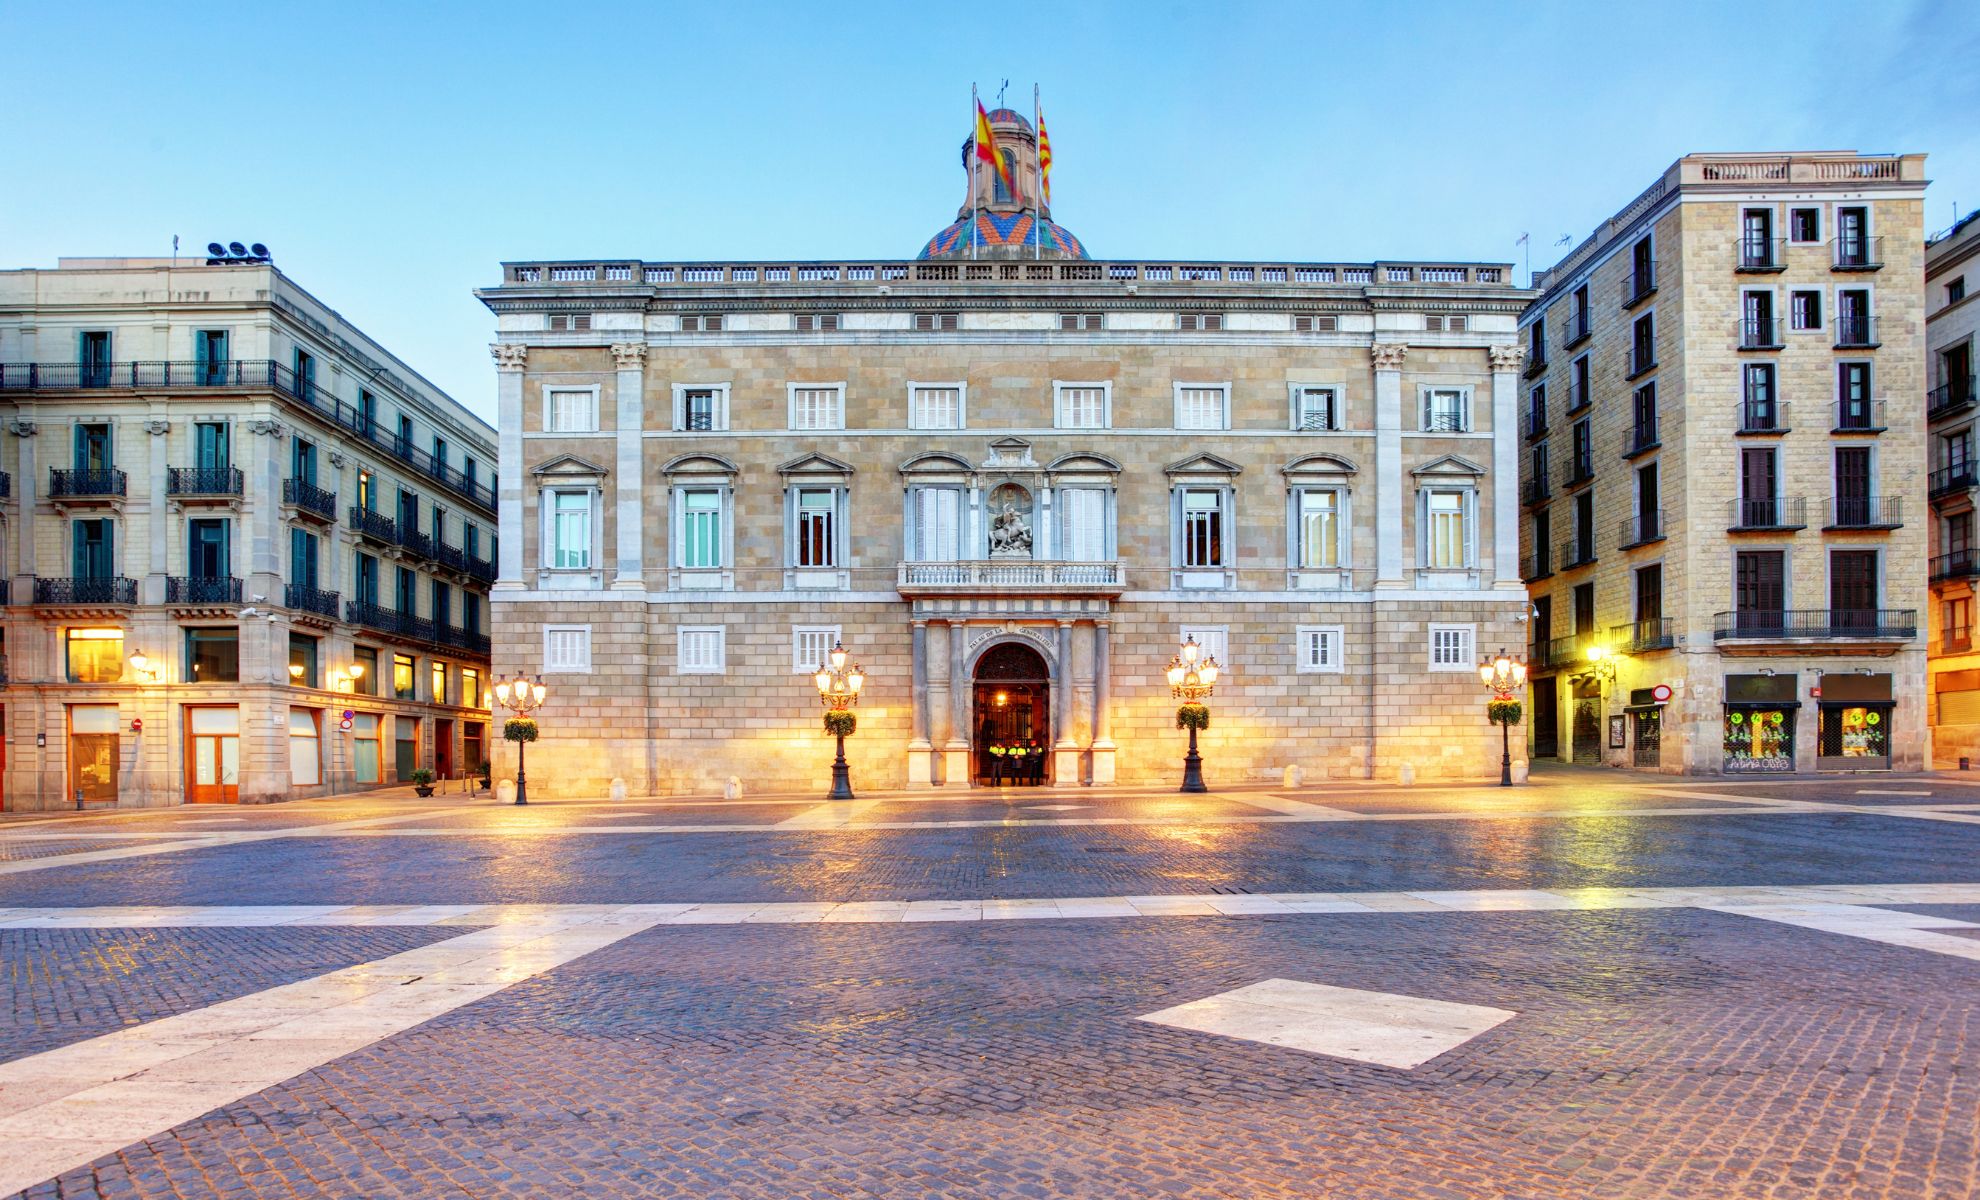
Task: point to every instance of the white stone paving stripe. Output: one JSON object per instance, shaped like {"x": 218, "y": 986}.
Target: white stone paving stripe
{"x": 1284, "y": 804}
{"x": 1377, "y": 1027}
{"x": 65, "y": 1107}
{"x": 1913, "y": 931}
{"x": 833, "y": 814}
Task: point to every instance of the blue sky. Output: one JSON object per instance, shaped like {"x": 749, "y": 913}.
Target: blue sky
{"x": 391, "y": 155}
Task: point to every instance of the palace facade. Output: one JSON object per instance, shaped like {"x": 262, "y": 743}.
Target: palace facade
{"x": 1010, "y": 478}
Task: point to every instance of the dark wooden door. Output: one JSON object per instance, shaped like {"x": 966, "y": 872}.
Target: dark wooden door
{"x": 1853, "y": 588}
{"x": 1759, "y": 589}
{"x": 1853, "y": 485}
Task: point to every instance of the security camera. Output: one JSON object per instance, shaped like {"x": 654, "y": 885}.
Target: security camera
{"x": 250, "y": 611}
{"x": 258, "y": 599}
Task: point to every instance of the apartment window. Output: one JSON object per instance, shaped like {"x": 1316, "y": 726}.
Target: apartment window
{"x": 1083, "y": 405}
{"x": 440, "y": 454}
{"x": 1853, "y": 406}
{"x": 1203, "y": 527}
{"x": 1540, "y": 465}
{"x": 92, "y": 547}
{"x": 1445, "y": 410}
{"x": 1804, "y": 225}
{"x": 1956, "y": 290}
{"x": 366, "y": 579}
{"x": 407, "y": 583}
{"x": 570, "y": 530}
{"x": 1314, "y": 409}
{"x": 405, "y": 439}
{"x": 1854, "y": 596}
{"x": 367, "y": 403}
{"x": 471, "y": 612}
{"x": 810, "y": 646}
{"x": 1853, "y": 323}
{"x": 1446, "y": 324}
{"x": 439, "y": 683}
{"x": 210, "y": 445}
{"x": 817, "y": 322}
{"x": 93, "y": 447}
{"x": 567, "y": 649}
{"x": 818, "y": 407}
{"x": 364, "y": 747}
{"x": 1584, "y": 529}
{"x": 1643, "y": 344}
{"x": 1756, "y": 237}
{"x": 1447, "y": 542}
{"x": 210, "y": 352}
{"x": 443, "y": 605}
{"x": 405, "y": 679}
{"x": 1082, "y": 524}
{"x": 364, "y": 673}
{"x": 1199, "y": 322}
{"x": 935, "y": 406}
{"x": 95, "y": 655}
{"x": 1320, "y": 528}
{"x": 1584, "y": 451}
{"x": 1450, "y": 648}
{"x": 1958, "y": 622}
{"x": 305, "y": 379}
{"x": 701, "y": 408}
{"x": 1644, "y": 403}
{"x": 571, "y": 410}
{"x": 1202, "y": 407}
{"x": 1805, "y": 309}
{"x": 1319, "y": 649}
{"x": 1536, "y": 411}
{"x": 700, "y": 649}
{"x": 935, "y": 528}
{"x": 700, "y": 539}
{"x": 305, "y": 747}
{"x": 702, "y": 323}
{"x": 213, "y": 655}
{"x": 367, "y": 492}
{"x": 1761, "y": 412}
{"x": 1215, "y": 640}
{"x": 303, "y": 660}
{"x": 1079, "y": 322}
{"x": 303, "y": 550}
{"x": 815, "y": 530}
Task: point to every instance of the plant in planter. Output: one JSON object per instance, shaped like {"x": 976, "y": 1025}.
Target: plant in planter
{"x": 519, "y": 729}
{"x": 1193, "y": 717}
{"x": 422, "y": 781}
{"x": 1503, "y": 712}
{"x": 840, "y": 723}
{"x": 482, "y": 771}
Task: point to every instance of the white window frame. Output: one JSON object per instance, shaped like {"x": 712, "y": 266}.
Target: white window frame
{"x": 1062, "y": 513}
{"x": 547, "y": 546}
{"x": 1467, "y": 494}
{"x": 1215, "y": 640}
{"x": 1223, "y": 390}
{"x": 911, "y": 523}
{"x": 803, "y": 664}
{"x": 550, "y": 393}
{"x": 718, "y": 417}
{"x": 1296, "y": 523}
{"x": 724, "y": 508}
{"x": 1467, "y": 652}
{"x": 959, "y": 387}
{"x": 1061, "y": 386}
{"x": 791, "y": 395}
{"x": 1821, "y": 224}
{"x": 1793, "y": 318}
{"x": 1226, "y": 524}
{"x": 1425, "y": 392}
{"x": 578, "y": 659}
{"x": 1330, "y": 640}
{"x": 1295, "y": 399}
{"x": 718, "y": 665}
{"x": 840, "y": 493}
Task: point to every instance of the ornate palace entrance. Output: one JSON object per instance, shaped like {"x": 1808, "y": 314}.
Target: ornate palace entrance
{"x": 1012, "y": 734}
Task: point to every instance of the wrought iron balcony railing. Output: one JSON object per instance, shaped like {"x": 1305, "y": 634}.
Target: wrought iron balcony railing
{"x": 202, "y": 589}
{"x": 1640, "y": 637}
{"x": 203, "y": 481}
{"x": 1762, "y": 254}
{"x": 310, "y": 498}
{"x": 1953, "y": 396}
{"x": 1778, "y": 512}
{"x": 1866, "y": 512}
{"x": 1537, "y": 565}
{"x": 93, "y": 484}
{"x": 1760, "y": 333}
{"x": 1005, "y": 574}
{"x": 1867, "y": 624}
{"x": 106, "y": 589}
{"x": 1856, "y": 333}
{"x": 1535, "y": 490}
{"x": 1954, "y": 477}
{"x": 1575, "y": 331}
{"x": 1859, "y": 416}
{"x": 1857, "y": 253}
{"x": 1763, "y": 416}
{"x": 1638, "y": 285}
{"x": 373, "y": 525}
{"x": 1643, "y": 528}
{"x": 1960, "y": 564}
{"x": 1642, "y": 439}
{"x": 1577, "y": 551}
{"x": 304, "y": 598}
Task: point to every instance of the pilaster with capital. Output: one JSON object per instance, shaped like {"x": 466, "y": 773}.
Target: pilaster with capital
{"x": 1505, "y": 362}
{"x": 27, "y": 487}
{"x": 1387, "y": 360}
{"x": 510, "y": 360}
{"x": 628, "y": 474}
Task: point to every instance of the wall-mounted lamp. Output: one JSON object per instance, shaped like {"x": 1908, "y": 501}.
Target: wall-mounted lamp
{"x": 141, "y": 666}
{"x": 296, "y": 671}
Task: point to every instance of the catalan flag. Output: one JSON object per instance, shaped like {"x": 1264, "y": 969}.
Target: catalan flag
{"x": 1044, "y": 159}
{"x": 986, "y": 150}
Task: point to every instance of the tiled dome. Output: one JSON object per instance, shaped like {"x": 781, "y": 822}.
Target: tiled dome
{"x": 1003, "y": 231}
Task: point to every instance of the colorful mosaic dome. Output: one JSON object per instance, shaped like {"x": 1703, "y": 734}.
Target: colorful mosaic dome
{"x": 1004, "y": 232}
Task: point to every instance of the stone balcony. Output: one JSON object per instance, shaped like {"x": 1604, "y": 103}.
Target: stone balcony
{"x": 1011, "y": 576}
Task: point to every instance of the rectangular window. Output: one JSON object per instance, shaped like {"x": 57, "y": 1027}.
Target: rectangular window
{"x": 471, "y": 691}
{"x": 1450, "y": 648}
{"x": 701, "y": 649}
{"x": 93, "y": 447}
{"x": 92, "y": 549}
{"x": 364, "y": 746}
{"x": 406, "y": 584}
{"x": 817, "y": 527}
{"x": 1958, "y": 621}
{"x": 1319, "y": 649}
{"x": 364, "y": 671}
{"x": 1447, "y": 540}
{"x": 701, "y": 409}
{"x": 405, "y": 750}
{"x": 1319, "y": 528}
{"x": 1445, "y": 410}
{"x": 1083, "y": 406}
{"x": 213, "y": 655}
{"x": 1759, "y": 585}
{"x": 1079, "y": 322}
{"x": 817, "y": 322}
{"x": 439, "y": 683}
{"x": 305, "y": 748}
{"x": 1805, "y": 309}
{"x": 573, "y": 410}
{"x": 405, "y": 682}
{"x": 1956, "y": 290}
{"x": 1215, "y": 640}
{"x": 1853, "y": 591}
{"x": 817, "y": 408}
{"x": 1314, "y": 410}
{"x": 701, "y": 528}
{"x": 95, "y": 655}
{"x": 1853, "y": 408}
{"x": 302, "y": 660}
{"x": 206, "y": 549}
{"x": 937, "y": 524}
{"x": 1804, "y": 224}
{"x": 1200, "y": 407}
{"x": 702, "y": 323}
{"x": 1199, "y": 322}
{"x": 1643, "y": 344}
{"x": 1650, "y": 593}
{"x": 935, "y": 407}
{"x": 1082, "y": 524}
{"x": 210, "y": 353}
{"x": 570, "y": 531}
{"x": 567, "y": 648}
{"x": 810, "y": 644}
{"x": 210, "y": 445}
{"x": 1203, "y": 527}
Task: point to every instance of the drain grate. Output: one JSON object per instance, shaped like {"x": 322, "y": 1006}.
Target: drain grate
{"x": 1231, "y": 889}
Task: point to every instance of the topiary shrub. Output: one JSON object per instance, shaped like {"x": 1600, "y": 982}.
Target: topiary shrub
{"x": 1193, "y": 716}
{"x": 519, "y": 729}
{"x": 1503, "y": 712}
{"x": 840, "y": 723}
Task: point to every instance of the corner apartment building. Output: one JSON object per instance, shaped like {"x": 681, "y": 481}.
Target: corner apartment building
{"x": 1952, "y": 280}
{"x": 1724, "y": 455}
{"x": 1010, "y": 478}
{"x": 247, "y": 549}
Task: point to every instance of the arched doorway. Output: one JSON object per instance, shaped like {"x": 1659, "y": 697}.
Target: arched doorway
{"x": 1011, "y": 743}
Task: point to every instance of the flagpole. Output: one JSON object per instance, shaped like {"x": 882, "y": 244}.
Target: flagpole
{"x": 1038, "y": 218}
{"x": 975, "y": 156}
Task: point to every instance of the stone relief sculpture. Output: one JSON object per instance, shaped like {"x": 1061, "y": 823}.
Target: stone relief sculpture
{"x": 1010, "y": 534}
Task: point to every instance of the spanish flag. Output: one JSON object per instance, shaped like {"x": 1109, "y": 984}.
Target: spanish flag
{"x": 1044, "y": 159}
{"x": 986, "y": 150}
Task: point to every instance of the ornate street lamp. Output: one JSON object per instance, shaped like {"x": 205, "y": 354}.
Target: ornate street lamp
{"x": 839, "y": 685}
{"x": 1192, "y": 677}
{"x": 1504, "y": 675}
{"x": 524, "y": 697}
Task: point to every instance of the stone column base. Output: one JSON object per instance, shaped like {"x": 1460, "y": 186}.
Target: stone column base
{"x": 920, "y": 765}
{"x": 1103, "y": 763}
{"x": 1065, "y": 766}
{"x": 955, "y": 767}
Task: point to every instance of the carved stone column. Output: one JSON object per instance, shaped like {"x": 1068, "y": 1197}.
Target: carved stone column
{"x": 628, "y": 473}
{"x": 955, "y": 756}
{"x": 148, "y": 559}
{"x": 263, "y": 503}
{"x": 1388, "y": 360}
{"x": 921, "y": 763}
{"x": 510, "y": 359}
{"x": 27, "y": 486}
{"x": 1506, "y": 362}
{"x": 1065, "y": 753}
{"x": 1103, "y": 728}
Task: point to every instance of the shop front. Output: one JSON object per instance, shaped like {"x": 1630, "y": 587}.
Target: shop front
{"x": 1855, "y": 727}
{"x": 1760, "y": 723}
{"x": 1646, "y": 718}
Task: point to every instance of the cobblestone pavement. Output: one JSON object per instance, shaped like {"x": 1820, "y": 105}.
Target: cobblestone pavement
{"x": 1653, "y": 1052}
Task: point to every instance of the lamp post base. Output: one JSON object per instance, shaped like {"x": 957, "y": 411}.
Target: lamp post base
{"x": 1193, "y": 768}
{"x": 1505, "y": 756}
{"x": 522, "y": 776}
{"x": 841, "y": 776}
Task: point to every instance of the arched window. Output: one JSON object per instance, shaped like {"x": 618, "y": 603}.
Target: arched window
{"x": 1003, "y": 194}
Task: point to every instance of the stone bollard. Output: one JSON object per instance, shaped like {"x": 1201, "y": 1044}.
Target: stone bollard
{"x": 1407, "y": 776}
{"x": 732, "y": 790}
{"x": 505, "y": 791}
{"x": 1519, "y": 772}
{"x": 1295, "y": 775}
{"x": 618, "y": 791}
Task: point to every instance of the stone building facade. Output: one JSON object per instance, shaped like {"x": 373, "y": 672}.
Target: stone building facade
{"x": 1723, "y": 461}
{"x": 1952, "y": 281}
{"x": 1010, "y": 479}
{"x": 228, "y": 519}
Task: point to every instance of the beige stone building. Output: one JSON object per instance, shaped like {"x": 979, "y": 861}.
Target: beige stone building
{"x": 1722, "y": 472}
{"x": 1010, "y": 478}
{"x": 1952, "y": 280}
{"x": 227, "y": 520}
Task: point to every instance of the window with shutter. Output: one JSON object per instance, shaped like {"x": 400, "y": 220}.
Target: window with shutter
{"x": 1450, "y": 648}
{"x": 1314, "y": 409}
{"x": 701, "y": 528}
{"x": 1319, "y": 649}
{"x": 1447, "y": 539}
{"x": 1444, "y": 410}
{"x": 700, "y": 649}
{"x": 1082, "y": 524}
{"x": 1203, "y": 527}
{"x": 1319, "y": 528}
{"x": 937, "y": 524}
{"x": 1200, "y": 408}
{"x": 573, "y": 410}
{"x": 935, "y": 408}
{"x": 570, "y": 530}
{"x": 567, "y": 648}
{"x": 810, "y": 647}
{"x": 816, "y": 535}
{"x": 817, "y": 408}
{"x": 1082, "y": 407}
